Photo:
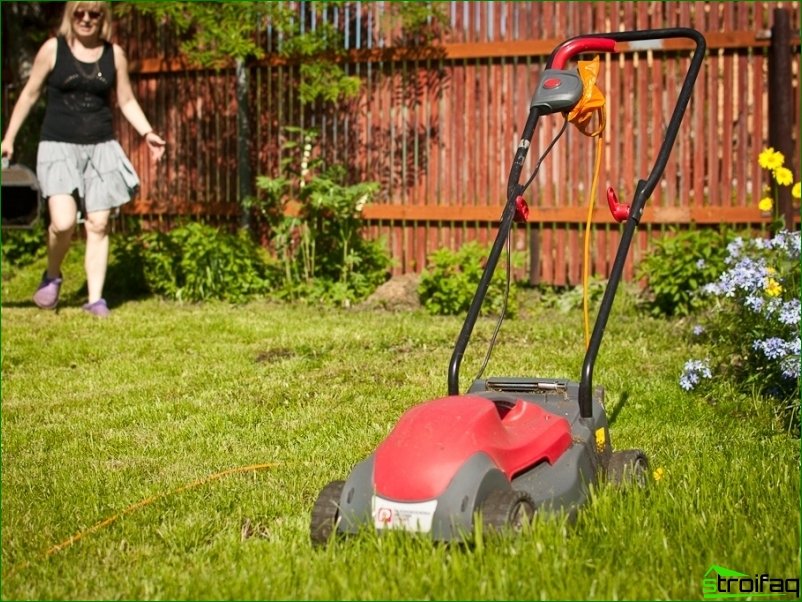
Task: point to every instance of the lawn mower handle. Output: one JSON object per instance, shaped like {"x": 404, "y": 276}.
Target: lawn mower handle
{"x": 644, "y": 188}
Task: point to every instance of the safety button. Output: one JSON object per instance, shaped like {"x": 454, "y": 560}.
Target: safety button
{"x": 552, "y": 82}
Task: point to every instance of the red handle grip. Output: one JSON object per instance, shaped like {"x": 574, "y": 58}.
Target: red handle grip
{"x": 578, "y": 46}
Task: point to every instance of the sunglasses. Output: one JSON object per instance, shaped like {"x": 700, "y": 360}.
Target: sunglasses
{"x": 94, "y": 15}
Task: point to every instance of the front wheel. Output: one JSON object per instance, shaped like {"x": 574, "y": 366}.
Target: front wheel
{"x": 628, "y": 467}
{"x": 507, "y": 509}
{"x": 326, "y": 513}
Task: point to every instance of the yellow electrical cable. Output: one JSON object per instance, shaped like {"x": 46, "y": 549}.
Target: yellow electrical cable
{"x": 147, "y": 501}
{"x": 591, "y": 103}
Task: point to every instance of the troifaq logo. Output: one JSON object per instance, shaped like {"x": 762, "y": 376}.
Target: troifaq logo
{"x": 720, "y": 582}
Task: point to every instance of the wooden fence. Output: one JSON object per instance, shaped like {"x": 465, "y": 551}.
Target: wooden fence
{"x": 438, "y": 128}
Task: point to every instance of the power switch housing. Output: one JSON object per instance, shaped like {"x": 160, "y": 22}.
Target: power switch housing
{"x": 558, "y": 91}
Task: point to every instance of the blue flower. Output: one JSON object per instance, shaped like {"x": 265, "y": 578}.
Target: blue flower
{"x": 693, "y": 372}
{"x": 773, "y": 347}
{"x": 734, "y": 249}
{"x": 789, "y": 312}
{"x": 754, "y": 302}
{"x": 790, "y": 367}
{"x": 698, "y": 330}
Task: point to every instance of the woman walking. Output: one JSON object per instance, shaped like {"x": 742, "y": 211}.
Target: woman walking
{"x": 81, "y": 168}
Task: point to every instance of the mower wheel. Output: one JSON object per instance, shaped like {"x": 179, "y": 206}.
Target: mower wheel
{"x": 326, "y": 513}
{"x": 628, "y": 467}
{"x": 507, "y": 509}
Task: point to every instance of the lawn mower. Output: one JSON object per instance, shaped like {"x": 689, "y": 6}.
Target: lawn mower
{"x": 511, "y": 446}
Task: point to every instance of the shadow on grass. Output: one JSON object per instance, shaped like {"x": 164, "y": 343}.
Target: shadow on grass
{"x": 618, "y": 407}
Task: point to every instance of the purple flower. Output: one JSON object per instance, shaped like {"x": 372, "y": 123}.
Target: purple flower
{"x": 698, "y": 330}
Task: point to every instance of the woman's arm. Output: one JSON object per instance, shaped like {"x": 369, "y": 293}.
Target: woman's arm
{"x": 42, "y": 66}
{"x": 130, "y": 107}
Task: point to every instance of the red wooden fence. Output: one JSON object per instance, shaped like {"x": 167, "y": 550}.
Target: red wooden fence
{"x": 438, "y": 127}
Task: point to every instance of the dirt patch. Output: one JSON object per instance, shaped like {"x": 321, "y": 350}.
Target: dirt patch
{"x": 397, "y": 294}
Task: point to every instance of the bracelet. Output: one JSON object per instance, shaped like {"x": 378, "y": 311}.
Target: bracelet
{"x": 146, "y": 133}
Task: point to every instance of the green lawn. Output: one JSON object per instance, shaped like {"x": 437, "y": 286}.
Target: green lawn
{"x": 99, "y": 415}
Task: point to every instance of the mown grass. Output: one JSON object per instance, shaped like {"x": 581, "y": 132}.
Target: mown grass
{"x": 99, "y": 415}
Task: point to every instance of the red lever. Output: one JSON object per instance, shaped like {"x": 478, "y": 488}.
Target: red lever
{"x": 619, "y": 210}
{"x": 578, "y": 46}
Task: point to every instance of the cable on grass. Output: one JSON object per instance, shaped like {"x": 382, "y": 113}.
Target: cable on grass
{"x": 146, "y": 502}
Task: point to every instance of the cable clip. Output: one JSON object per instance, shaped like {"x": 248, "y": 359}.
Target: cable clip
{"x": 521, "y": 210}
{"x": 620, "y": 211}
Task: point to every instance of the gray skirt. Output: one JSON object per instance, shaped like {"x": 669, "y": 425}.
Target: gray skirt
{"x": 100, "y": 176}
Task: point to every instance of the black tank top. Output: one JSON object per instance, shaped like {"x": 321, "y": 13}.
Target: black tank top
{"x": 79, "y": 98}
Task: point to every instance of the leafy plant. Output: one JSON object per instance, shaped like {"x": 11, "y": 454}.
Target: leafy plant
{"x": 451, "y": 278}
{"x": 196, "y": 262}
{"x": 319, "y": 244}
{"x": 679, "y": 264}
{"x": 23, "y": 247}
{"x": 750, "y": 336}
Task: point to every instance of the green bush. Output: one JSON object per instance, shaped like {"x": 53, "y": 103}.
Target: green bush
{"x": 196, "y": 262}
{"x": 679, "y": 264}
{"x": 451, "y": 278}
{"x": 23, "y": 247}
{"x": 749, "y": 336}
{"x": 321, "y": 250}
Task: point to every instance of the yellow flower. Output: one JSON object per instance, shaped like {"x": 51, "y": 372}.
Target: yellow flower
{"x": 773, "y": 288}
{"x": 784, "y": 176}
{"x": 770, "y": 159}
{"x": 657, "y": 475}
{"x": 765, "y": 204}
{"x": 795, "y": 192}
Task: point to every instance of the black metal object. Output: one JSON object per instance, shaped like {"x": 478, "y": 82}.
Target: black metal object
{"x": 642, "y": 193}
{"x": 20, "y": 197}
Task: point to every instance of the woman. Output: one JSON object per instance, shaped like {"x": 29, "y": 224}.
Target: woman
{"x": 80, "y": 166}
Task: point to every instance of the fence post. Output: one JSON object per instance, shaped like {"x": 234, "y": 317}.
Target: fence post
{"x": 780, "y": 111}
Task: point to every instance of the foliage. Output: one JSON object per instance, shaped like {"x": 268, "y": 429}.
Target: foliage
{"x": 320, "y": 248}
{"x": 212, "y": 33}
{"x": 24, "y": 246}
{"x": 567, "y": 299}
{"x": 750, "y": 335}
{"x": 196, "y": 262}
{"x": 679, "y": 264}
{"x": 419, "y": 23}
{"x": 450, "y": 280}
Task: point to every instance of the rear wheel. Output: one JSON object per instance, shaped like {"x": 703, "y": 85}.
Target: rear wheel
{"x": 507, "y": 509}
{"x": 628, "y": 467}
{"x": 326, "y": 512}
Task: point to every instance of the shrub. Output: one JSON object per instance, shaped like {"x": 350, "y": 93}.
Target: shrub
{"x": 750, "y": 334}
{"x": 677, "y": 267}
{"x": 23, "y": 247}
{"x": 322, "y": 252}
{"x": 451, "y": 278}
{"x": 196, "y": 262}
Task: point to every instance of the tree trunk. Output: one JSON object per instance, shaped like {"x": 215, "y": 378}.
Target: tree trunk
{"x": 244, "y": 168}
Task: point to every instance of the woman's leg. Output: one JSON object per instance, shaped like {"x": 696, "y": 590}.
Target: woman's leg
{"x": 97, "y": 252}
{"x": 59, "y": 234}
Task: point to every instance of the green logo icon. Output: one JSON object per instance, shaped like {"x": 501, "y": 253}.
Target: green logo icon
{"x": 720, "y": 582}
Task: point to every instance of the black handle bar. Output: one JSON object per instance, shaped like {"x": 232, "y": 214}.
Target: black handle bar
{"x": 564, "y": 51}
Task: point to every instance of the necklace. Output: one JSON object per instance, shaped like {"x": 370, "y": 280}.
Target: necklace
{"x": 93, "y": 73}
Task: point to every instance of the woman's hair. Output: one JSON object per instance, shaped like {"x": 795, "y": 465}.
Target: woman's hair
{"x": 104, "y": 8}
